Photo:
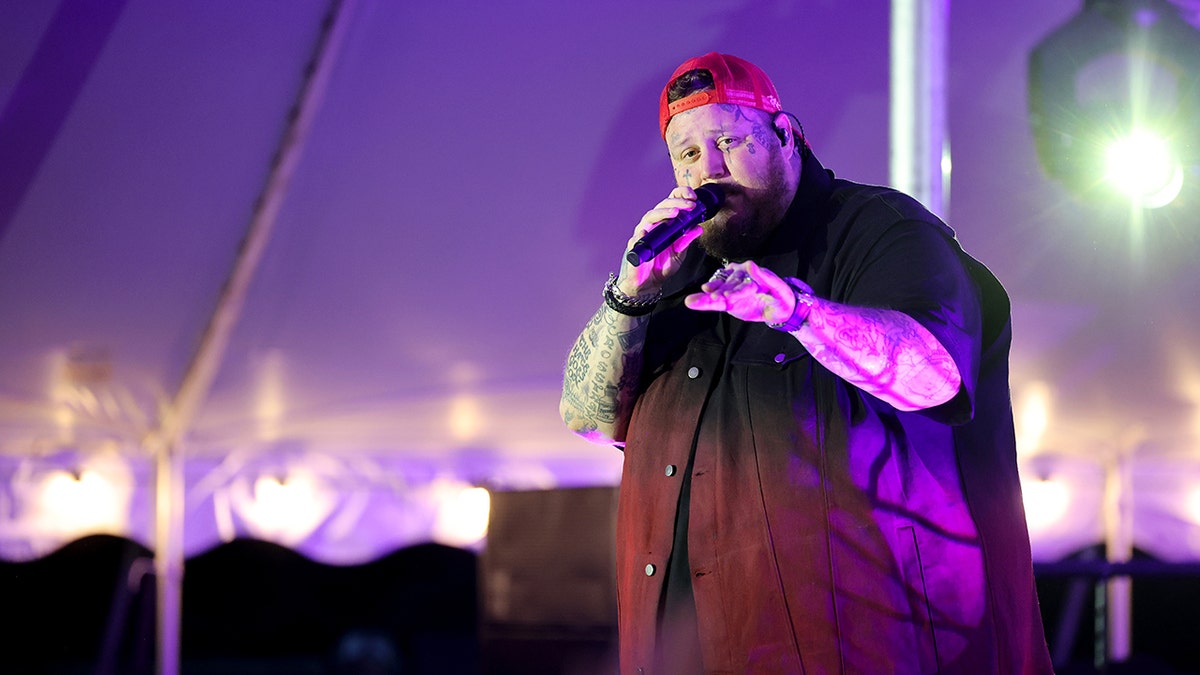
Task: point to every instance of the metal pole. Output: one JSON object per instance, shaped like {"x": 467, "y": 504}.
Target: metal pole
{"x": 919, "y": 159}
{"x": 168, "y": 554}
{"x": 1118, "y": 526}
{"x": 166, "y": 444}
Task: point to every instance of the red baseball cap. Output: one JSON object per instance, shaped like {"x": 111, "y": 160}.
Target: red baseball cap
{"x": 736, "y": 81}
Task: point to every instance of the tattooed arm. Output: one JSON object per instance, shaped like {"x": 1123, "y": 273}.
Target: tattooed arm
{"x": 603, "y": 368}
{"x": 600, "y": 380}
{"x": 886, "y": 353}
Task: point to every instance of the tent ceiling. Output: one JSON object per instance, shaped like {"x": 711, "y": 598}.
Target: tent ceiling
{"x": 468, "y": 183}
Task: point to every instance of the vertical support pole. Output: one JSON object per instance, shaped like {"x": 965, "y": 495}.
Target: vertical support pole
{"x": 168, "y": 555}
{"x": 1118, "y": 535}
{"x": 919, "y": 159}
{"x": 1100, "y": 627}
{"x": 167, "y": 444}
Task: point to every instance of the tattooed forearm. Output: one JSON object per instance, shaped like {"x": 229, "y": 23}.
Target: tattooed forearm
{"x": 601, "y": 376}
{"x": 883, "y": 352}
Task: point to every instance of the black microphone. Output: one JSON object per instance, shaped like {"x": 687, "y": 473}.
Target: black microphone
{"x": 709, "y": 198}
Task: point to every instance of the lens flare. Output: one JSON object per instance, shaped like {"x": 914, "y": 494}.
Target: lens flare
{"x": 1142, "y": 166}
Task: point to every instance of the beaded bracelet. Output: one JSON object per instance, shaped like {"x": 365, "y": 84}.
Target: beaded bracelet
{"x": 621, "y": 303}
{"x": 804, "y": 302}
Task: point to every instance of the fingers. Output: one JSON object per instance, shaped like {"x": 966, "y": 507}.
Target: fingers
{"x": 652, "y": 273}
{"x": 665, "y": 210}
{"x": 685, "y": 240}
{"x": 729, "y": 280}
{"x": 744, "y": 290}
{"x": 740, "y": 276}
{"x": 729, "y": 287}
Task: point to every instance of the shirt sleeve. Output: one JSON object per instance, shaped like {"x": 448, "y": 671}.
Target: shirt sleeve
{"x": 916, "y": 267}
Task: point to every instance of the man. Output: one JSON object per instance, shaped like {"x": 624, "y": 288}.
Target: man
{"x": 811, "y": 391}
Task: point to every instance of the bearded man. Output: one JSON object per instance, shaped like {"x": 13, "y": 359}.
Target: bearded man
{"x": 811, "y": 392}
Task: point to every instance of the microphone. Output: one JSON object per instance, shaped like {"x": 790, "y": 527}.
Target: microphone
{"x": 709, "y": 198}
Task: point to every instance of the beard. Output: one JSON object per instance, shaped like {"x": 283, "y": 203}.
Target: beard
{"x": 747, "y": 219}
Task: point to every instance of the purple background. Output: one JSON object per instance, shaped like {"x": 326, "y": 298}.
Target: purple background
{"x": 469, "y": 181}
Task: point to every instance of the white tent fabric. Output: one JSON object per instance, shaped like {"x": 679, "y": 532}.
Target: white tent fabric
{"x": 469, "y": 179}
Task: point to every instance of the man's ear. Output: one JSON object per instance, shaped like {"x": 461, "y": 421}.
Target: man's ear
{"x": 783, "y": 129}
{"x": 791, "y": 134}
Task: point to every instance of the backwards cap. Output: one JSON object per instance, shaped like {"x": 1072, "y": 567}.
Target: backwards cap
{"x": 736, "y": 81}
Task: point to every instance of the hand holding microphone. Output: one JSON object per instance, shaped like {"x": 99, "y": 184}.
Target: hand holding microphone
{"x": 662, "y": 235}
{"x": 709, "y": 198}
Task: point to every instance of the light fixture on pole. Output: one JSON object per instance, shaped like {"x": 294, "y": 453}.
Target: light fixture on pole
{"x": 1114, "y": 98}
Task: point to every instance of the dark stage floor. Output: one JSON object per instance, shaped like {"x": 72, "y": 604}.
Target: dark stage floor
{"x": 257, "y": 608}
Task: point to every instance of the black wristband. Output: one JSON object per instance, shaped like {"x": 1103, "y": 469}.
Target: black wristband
{"x": 624, "y": 304}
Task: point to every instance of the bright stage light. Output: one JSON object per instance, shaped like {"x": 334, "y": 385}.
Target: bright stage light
{"x": 1046, "y": 502}
{"x": 82, "y": 504}
{"x": 1192, "y": 505}
{"x": 285, "y": 508}
{"x": 1142, "y": 166}
{"x": 1032, "y": 417}
{"x": 462, "y": 513}
{"x": 280, "y": 502}
{"x": 1107, "y": 75}
{"x": 80, "y": 500}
